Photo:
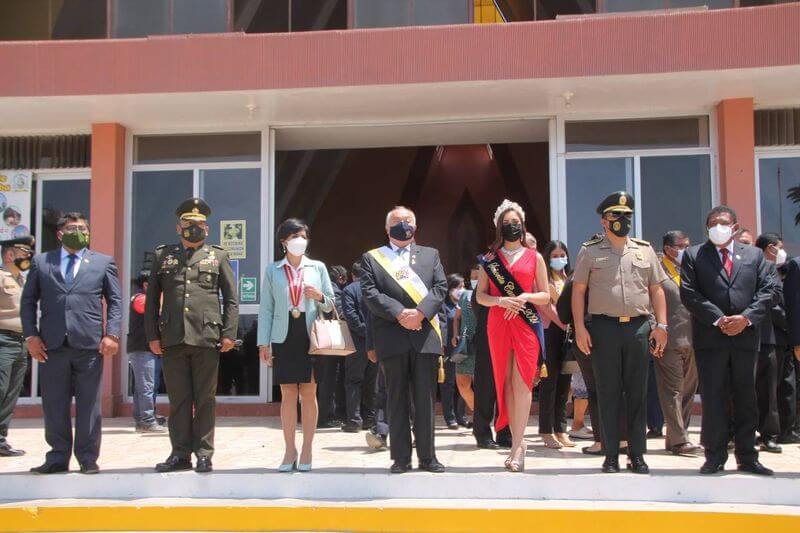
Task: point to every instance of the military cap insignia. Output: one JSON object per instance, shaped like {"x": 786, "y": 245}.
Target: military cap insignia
{"x": 623, "y": 199}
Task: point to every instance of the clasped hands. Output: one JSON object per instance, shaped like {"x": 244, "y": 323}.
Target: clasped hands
{"x": 733, "y": 325}
{"x": 513, "y": 305}
{"x": 411, "y": 319}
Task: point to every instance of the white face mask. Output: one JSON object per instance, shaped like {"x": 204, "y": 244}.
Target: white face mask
{"x": 558, "y": 263}
{"x": 296, "y": 246}
{"x": 473, "y": 283}
{"x": 720, "y": 234}
{"x": 679, "y": 258}
{"x": 456, "y": 294}
{"x": 780, "y": 257}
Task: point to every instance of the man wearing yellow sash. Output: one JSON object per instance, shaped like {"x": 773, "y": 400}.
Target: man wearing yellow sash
{"x": 676, "y": 371}
{"x": 404, "y": 286}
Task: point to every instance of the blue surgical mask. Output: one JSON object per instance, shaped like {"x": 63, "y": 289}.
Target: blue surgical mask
{"x": 558, "y": 263}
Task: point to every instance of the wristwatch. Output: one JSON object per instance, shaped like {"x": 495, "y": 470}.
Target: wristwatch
{"x": 662, "y": 326}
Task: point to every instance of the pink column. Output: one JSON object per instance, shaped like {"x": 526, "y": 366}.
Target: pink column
{"x": 737, "y": 158}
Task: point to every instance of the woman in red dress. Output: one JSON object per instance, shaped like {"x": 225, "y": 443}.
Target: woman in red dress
{"x": 513, "y": 344}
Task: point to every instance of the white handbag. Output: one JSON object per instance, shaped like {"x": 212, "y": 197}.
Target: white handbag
{"x": 330, "y": 337}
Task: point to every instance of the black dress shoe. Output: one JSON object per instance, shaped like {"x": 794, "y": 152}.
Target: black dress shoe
{"x": 655, "y": 434}
{"x": 329, "y": 424}
{"x": 487, "y": 444}
{"x": 452, "y": 424}
{"x": 174, "y": 464}
{"x": 769, "y": 445}
{"x": 504, "y": 443}
{"x": 400, "y": 467}
{"x": 637, "y": 465}
{"x": 90, "y": 468}
{"x": 8, "y": 451}
{"x": 464, "y": 423}
{"x": 432, "y": 466}
{"x": 754, "y": 467}
{"x": 711, "y": 467}
{"x": 351, "y": 428}
{"x": 50, "y": 468}
{"x": 789, "y": 438}
{"x": 203, "y": 465}
{"x": 611, "y": 465}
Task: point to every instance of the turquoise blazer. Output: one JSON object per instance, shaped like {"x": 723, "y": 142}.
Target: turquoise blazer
{"x": 273, "y": 313}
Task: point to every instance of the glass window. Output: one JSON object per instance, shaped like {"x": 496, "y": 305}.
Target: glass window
{"x": 235, "y": 222}
{"x": 155, "y": 197}
{"x": 711, "y": 4}
{"x": 261, "y": 17}
{"x": 381, "y": 13}
{"x": 313, "y": 15}
{"x": 432, "y": 12}
{"x": 199, "y": 16}
{"x": 779, "y": 187}
{"x": 22, "y": 20}
{"x": 139, "y": 18}
{"x": 665, "y": 203}
{"x": 222, "y": 147}
{"x": 550, "y": 9}
{"x": 240, "y": 369}
{"x": 612, "y": 6}
{"x": 588, "y": 182}
{"x": 59, "y": 197}
{"x": 588, "y": 136}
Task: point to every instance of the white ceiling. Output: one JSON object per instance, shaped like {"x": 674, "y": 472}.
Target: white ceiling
{"x": 494, "y": 111}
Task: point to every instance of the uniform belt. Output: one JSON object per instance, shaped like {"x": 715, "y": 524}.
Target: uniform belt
{"x": 17, "y": 336}
{"x": 619, "y": 319}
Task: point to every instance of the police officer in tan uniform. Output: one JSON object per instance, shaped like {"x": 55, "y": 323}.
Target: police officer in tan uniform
{"x": 13, "y": 355}
{"x": 623, "y": 276}
{"x": 183, "y": 320}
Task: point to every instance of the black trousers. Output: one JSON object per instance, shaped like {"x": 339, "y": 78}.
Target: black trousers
{"x": 380, "y": 423}
{"x": 453, "y": 407}
{"x": 728, "y": 376}
{"x": 485, "y": 394}
{"x": 67, "y": 372}
{"x": 554, "y": 389}
{"x": 190, "y": 373}
{"x": 620, "y": 359}
{"x": 655, "y": 416}
{"x": 411, "y": 376}
{"x": 325, "y": 373}
{"x": 359, "y": 383}
{"x": 767, "y": 392}
{"x": 787, "y": 392}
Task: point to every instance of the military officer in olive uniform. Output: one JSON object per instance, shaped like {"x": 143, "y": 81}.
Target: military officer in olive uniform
{"x": 623, "y": 277}
{"x": 13, "y": 355}
{"x": 188, "y": 327}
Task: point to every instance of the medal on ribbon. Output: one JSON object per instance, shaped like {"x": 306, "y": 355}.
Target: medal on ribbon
{"x": 295, "y": 289}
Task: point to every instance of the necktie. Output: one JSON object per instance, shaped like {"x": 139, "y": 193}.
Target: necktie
{"x": 727, "y": 263}
{"x": 70, "y": 275}
{"x": 404, "y": 254}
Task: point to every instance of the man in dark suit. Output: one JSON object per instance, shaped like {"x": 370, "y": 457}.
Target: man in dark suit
{"x": 359, "y": 372}
{"x": 404, "y": 286}
{"x": 727, "y": 289}
{"x": 787, "y": 333}
{"x": 70, "y": 284}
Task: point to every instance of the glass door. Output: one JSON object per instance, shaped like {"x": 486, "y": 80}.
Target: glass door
{"x": 778, "y": 179}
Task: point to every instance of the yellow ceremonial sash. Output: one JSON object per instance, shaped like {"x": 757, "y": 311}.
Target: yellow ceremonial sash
{"x": 672, "y": 271}
{"x": 405, "y": 276}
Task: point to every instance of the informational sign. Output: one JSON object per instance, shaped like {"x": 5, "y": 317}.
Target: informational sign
{"x": 15, "y": 203}
{"x": 234, "y": 237}
{"x": 248, "y": 289}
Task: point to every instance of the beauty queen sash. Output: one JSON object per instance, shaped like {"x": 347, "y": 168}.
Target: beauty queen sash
{"x": 504, "y": 281}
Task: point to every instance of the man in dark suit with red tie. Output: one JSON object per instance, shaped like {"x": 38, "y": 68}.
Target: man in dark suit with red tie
{"x": 728, "y": 290}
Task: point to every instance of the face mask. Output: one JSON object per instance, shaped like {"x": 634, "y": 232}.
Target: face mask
{"x": 22, "y": 263}
{"x": 77, "y": 240}
{"x": 679, "y": 257}
{"x": 511, "y": 232}
{"x": 720, "y": 234}
{"x": 193, "y": 234}
{"x": 297, "y": 246}
{"x": 473, "y": 283}
{"x": 780, "y": 257}
{"x": 402, "y": 231}
{"x": 455, "y": 294}
{"x": 620, "y": 227}
{"x": 558, "y": 263}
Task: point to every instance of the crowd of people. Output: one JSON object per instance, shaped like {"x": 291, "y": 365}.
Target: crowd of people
{"x": 629, "y": 334}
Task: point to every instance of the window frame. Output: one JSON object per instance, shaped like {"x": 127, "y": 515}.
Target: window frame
{"x": 769, "y": 152}
{"x": 111, "y": 13}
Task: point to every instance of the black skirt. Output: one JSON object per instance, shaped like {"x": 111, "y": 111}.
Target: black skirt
{"x": 291, "y": 363}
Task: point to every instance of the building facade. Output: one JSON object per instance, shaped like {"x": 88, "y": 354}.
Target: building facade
{"x": 336, "y": 110}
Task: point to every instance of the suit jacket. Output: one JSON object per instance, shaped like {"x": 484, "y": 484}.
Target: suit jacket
{"x": 778, "y": 313}
{"x": 710, "y": 294}
{"x": 75, "y": 312}
{"x": 791, "y": 300}
{"x": 386, "y": 299}
{"x": 767, "y": 328}
{"x": 353, "y": 311}
{"x": 678, "y": 316}
{"x": 273, "y": 313}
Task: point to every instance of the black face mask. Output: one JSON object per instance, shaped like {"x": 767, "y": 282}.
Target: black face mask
{"x": 193, "y": 234}
{"x": 22, "y": 263}
{"x": 402, "y": 231}
{"x": 620, "y": 227}
{"x": 511, "y": 232}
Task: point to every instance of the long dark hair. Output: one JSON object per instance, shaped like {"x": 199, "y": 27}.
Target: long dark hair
{"x": 498, "y": 234}
{"x": 548, "y": 249}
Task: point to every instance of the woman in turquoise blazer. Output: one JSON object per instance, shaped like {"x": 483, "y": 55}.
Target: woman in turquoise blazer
{"x": 293, "y": 293}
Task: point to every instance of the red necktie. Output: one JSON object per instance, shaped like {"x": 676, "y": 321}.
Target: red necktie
{"x": 727, "y": 263}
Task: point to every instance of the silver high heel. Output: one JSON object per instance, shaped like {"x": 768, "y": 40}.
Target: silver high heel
{"x": 519, "y": 465}
{"x": 304, "y": 467}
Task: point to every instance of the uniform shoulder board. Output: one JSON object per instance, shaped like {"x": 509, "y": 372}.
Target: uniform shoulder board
{"x": 218, "y": 247}
{"x": 640, "y": 241}
{"x": 160, "y": 247}
{"x": 593, "y": 242}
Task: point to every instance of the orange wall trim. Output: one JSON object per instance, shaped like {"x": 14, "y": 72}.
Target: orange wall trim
{"x": 736, "y": 156}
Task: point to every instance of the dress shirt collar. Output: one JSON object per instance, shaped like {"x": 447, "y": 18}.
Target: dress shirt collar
{"x": 284, "y": 261}
{"x": 729, "y": 248}
{"x": 396, "y": 249}
{"x": 65, "y": 253}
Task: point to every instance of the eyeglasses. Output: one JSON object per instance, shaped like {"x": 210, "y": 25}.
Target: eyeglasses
{"x": 616, "y": 215}
{"x": 70, "y": 228}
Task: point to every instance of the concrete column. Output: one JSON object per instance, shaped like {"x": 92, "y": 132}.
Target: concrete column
{"x": 107, "y": 221}
{"x": 737, "y": 158}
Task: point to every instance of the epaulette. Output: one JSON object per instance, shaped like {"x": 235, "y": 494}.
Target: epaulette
{"x": 218, "y": 247}
{"x": 640, "y": 241}
{"x": 593, "y": 242}
{"x": 160, "y": 247}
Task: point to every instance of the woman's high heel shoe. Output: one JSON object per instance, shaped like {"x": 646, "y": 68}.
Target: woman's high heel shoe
{"x": 287, "y": 467}
{"x": 519, "y": 464}
{"x": 304, "y": 467}
{"x": 507, "y": 463}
